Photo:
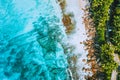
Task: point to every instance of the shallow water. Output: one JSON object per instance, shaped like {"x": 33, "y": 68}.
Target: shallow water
{"x": 31, "y": 41}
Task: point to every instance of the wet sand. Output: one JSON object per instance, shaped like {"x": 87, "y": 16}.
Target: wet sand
{"x": 81, "y": 36}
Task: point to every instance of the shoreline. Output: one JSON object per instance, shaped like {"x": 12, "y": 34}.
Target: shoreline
{"x": 88, "y": 60}
{"x": 90, "y": 45}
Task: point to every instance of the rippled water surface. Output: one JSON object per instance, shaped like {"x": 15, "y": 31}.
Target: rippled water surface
{"x": 31, "y": 41}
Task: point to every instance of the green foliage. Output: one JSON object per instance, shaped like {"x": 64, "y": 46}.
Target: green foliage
{"x": 117, "y": 10}
{"x": 100, "y": 14}
{"x": 107, "y": 60}
{"x": 100, "y": 10}
{"x": 118, "y": 76}
{"x": 115, "y": 37}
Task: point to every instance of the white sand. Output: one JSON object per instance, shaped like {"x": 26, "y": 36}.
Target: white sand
{"x": 78, "y": 35}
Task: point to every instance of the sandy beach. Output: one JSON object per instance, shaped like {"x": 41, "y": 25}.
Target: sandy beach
{"x": 80, "y": 37}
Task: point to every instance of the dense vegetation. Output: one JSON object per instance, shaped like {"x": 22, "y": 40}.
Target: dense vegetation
{"x": 106, "y": 56}
{"x": 100, "y": 10}
{"x": 118, "y": 76}
{"x": 115, "y": 25}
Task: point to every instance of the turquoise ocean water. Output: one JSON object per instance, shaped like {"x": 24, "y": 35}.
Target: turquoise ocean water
{"x": 31, "y": 41}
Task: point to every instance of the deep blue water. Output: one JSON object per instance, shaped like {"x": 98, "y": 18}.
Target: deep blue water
{"x": 31, "y": 41}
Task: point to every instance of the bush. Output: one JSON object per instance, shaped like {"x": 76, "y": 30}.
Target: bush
{"x": 107, "y": 60}
{"x": 100, "y": 10}
{"x": 117, "y": 10}
{"x": 115, "y": 37}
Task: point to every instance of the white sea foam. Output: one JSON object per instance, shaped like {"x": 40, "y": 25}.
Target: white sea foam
{"x": 78, "y": 35}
